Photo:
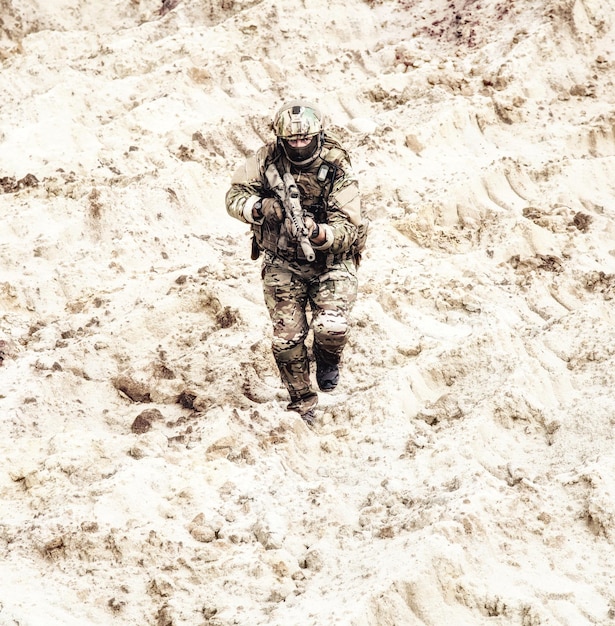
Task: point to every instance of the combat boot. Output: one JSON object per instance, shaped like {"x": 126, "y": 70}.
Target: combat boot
{"x": 309, "y": 417}
{"x": 327, "y": 376}
{"x": 303, "y": 405}
{"x": 327, "y": 373}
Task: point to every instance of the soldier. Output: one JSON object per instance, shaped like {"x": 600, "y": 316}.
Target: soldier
{"x": 329, "y": 198}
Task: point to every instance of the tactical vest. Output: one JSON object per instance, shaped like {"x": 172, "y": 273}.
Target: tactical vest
{"x": 315, "y": 184}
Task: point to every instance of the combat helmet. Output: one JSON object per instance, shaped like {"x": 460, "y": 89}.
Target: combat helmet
{"x": 295, "y": 119}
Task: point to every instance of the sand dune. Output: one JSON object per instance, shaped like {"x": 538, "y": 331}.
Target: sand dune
{"x": 462, "y": 473}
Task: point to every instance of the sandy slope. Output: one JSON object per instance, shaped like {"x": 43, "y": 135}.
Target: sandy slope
{"x": 462, "y": 473}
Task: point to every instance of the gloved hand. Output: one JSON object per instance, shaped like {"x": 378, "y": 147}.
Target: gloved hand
{"x": 271, "y": 210}
{"x": 309, "y": 224}
{"x": 313, "y": 228}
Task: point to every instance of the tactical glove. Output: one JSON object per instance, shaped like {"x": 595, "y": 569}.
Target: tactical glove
{"x": 271, "y": 210}
{"x": 312, "y": 227}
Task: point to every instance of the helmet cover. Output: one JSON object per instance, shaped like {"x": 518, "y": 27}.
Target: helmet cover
{"x": 298, "y": 118}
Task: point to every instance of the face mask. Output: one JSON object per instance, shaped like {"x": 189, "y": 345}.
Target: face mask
{"x": 301, "y": 155}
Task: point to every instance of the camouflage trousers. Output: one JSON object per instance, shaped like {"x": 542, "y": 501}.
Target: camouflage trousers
{"x": 291, "y": 292}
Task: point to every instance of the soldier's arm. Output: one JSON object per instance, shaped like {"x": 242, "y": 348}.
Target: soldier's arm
{"x": 247, "y": 187}
{"x": 343, "y": 214}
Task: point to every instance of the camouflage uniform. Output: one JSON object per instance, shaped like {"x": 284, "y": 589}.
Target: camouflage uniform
{"x": 329, "y": 194}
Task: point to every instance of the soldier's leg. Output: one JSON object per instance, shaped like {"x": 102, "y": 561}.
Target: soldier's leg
{"x": 286, "y": 300}
{"x": 332, "y": 299}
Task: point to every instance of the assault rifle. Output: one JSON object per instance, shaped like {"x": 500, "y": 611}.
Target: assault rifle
{"x": 287, "y": 191}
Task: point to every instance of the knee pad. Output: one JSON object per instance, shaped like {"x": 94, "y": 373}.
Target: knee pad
{"x": 330, "y": 327}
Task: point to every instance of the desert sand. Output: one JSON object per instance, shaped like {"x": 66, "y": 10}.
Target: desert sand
{"x": 463, "y": 472}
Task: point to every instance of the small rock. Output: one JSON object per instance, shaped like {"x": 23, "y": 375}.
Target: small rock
{"x": 204, "y": 534}
{"x": 143, "y": 421}
{"x": 362, "y": 125}
{"x": 414, "y": 144}
{"x": 8, "y": 350}
{"x": 203, "y": 531}
{"x": 314, "y": 560}
{"x": 270, "y": 537}
{"x": 135, "y": 390}
{"x": 186, "y": 399}
{"x": 140, "y": 425}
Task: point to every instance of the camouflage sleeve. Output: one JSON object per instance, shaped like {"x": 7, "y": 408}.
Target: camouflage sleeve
{"x": 343, "y": 212}
{"x": 340, "y": 232}
{"x": 247, "y": 186}
{"x": 345, "y": 195}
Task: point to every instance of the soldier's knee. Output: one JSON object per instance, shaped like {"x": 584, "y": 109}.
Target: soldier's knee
{"x": 330, "y": 325}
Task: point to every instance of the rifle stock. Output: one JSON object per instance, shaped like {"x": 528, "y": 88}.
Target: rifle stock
{"x": 287, "y": 191}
